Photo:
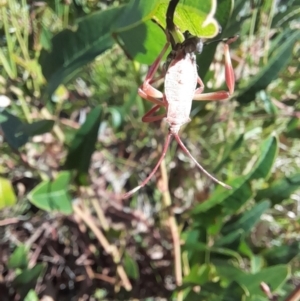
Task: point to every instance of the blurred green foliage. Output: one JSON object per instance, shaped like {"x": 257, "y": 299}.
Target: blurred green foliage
{"x": 71, "y": 70}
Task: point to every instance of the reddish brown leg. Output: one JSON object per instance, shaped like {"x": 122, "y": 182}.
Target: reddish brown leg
{"x": 187, "y": 152}
{"x": 157, "y": 99}
{"x": 229, "y": 78}
{"x": 229, "y": 73}
{"x": 149, "y": 117}
{"x": 166, "y": 146}
{"x": 146, "y": 90}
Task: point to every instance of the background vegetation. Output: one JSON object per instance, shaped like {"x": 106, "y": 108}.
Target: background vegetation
{"x": 73, "y": 142}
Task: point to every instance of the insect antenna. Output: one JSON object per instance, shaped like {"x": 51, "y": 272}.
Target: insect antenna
{"x": 225, "y": 40}
{"x": 165, "y": 148}
{"x": 183, "y": 147}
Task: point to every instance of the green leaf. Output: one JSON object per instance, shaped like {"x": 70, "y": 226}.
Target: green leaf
{"x": 269, "y": 106}
{"x": 291, "y": 13}
{"x": 45, "y": 37}
{"x": 143, "y": 39}
{"x": 268, "y": 154}
{"x": 268, "y": 73}
{"x": 31, "y": 296}
{"x": 282, "y": 254}
{"x": 18, "y": 259}
{"x": 189, "y": 15}
{"x": 236, "y": 20}
{"x": 230, "y": 240}
{"x": 292, "y": 129}
{"x": 72, "y": 49}
{"x": 245, "y": 249}
{"x": 83, "y": 144}
{"x": 196, "y": 247}
{"x": 53, "y": 195}
{"x": 131, "y": 267}
{"x": 229, "y": 272}
{"x": 209, "y": 292}
{"x": 229, "y": 152}
{"x": 27, "y": 279}
{"x": 117, "y": 115}
{"x": 233, "y": 292}
{"x": 275, "y": 276}
{"x": 7, "y": 194}
{"x": 10, "y": 127}
{"x": 100, "y": 294}
{"x": 199, "y": 274}
{"x": 256, "y": 298}
{"x": 143, "y": 42}
{"x": 135, "y": 13}
{"x": 3, "y": 118}
{"x": 232, "y": 199}
{"x": 247, "y": 220}
{"x": 257, "y": 263}
{"x": 36, "y": 128}
{"x": 279, "y": 40}
{"x": 280, "y": 190}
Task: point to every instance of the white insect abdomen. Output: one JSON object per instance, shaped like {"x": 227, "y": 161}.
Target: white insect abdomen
{"x": 180, "y": 85}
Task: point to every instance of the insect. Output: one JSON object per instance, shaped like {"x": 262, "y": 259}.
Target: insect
{"x": 180, "y": 89}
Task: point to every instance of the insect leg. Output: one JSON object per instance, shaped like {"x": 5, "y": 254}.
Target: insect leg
{"x": 146, "y": 90}
{"x": 153, "y": 68}
{"x": 165, "y": 148}
{"x": 229, "y": 77}
{"x": 229, "y": 74}
{"x": 218, "y": 95}
{"x": 157, "y": 98}
{"x": 149, "y": 117}
{"x": 183, "y": 147}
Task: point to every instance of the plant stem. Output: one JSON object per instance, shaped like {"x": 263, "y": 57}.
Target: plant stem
{"x": 100, "y": 214}
{"x": 22, "y": 42}
{"x": 10, "y": 47}
{"x": 6, "y": 65}
{"x": 25, "y": 108}
{"x": 110, "y": 249}
{"x": 173, "y": 227}
{"x": 26, "y": 22}
{"x": 57, "y": 130}
{"x": 66, "y": 15}
{"x": 267, "y": 33}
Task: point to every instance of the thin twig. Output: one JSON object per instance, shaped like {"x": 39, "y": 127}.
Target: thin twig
{"x": 110, "y": 249}
{"x": 9, "y": 221}
{"x": 57, "y": 130}
{"x": 100, "y": 214}
{"x": 172, "y": 224}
